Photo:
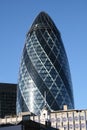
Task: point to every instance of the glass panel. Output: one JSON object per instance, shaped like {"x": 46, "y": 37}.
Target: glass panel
{"x": 48, "y": 65}
{"x": 53, "y": 73}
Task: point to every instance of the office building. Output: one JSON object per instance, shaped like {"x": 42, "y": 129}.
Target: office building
{"x": 44, "y": 68}
{"x": 22, "y": 122}
{"x": 7, "y": 99}
{"x": 66, "y": 119}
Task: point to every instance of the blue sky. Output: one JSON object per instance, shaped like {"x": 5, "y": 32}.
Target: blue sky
{"x": 70, "y": 17}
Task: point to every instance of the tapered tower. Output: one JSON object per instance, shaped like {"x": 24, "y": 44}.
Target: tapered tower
{"x": 44, "y": 68}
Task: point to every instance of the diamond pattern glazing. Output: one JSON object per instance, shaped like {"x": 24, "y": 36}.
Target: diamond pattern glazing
{"x": 44, "y": 68}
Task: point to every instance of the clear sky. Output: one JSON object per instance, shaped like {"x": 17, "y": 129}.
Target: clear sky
{"x": 70, "y": 17}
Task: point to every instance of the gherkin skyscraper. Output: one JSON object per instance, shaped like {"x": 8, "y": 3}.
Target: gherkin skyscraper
{"x": 44, "y": 68}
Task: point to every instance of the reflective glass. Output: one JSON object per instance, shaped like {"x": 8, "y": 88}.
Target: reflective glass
{"x": 44, "y": 68}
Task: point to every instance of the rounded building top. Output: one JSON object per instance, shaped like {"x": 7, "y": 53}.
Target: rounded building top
{"x": 43, "y": 21}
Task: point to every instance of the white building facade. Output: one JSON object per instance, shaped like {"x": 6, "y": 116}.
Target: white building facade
{"x": 64, "y": 119}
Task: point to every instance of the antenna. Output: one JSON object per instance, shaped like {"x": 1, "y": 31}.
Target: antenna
{"x": 45, "y": 97}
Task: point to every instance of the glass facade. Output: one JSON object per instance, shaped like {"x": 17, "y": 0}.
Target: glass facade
{"x": 44, "y": 69}
{"x": 7, "y": 99}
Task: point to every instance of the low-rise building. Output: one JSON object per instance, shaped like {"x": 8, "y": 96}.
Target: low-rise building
{"x": 64, "y": 119}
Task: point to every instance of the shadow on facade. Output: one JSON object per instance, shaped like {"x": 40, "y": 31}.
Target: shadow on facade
{"x": 28, "y": 125}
